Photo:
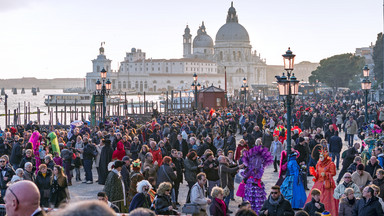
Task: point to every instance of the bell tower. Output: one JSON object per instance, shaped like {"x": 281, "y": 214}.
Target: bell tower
{"x": 187, "y": 42}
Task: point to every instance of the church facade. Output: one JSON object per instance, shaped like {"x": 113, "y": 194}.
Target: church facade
{"x": 230, "y": 54}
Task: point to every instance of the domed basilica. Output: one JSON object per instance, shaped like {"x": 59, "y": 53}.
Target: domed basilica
{"x": 230, "y": 54}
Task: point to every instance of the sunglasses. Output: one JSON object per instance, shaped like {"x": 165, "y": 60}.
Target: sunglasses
{"x": 168, "y": 190}
{"x": 2, "y": 161}
{"x": 274, "y": 192}
{"x": 347, "y": 177}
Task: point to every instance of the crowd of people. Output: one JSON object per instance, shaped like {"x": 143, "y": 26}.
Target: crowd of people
{"x": 142, "y": 164}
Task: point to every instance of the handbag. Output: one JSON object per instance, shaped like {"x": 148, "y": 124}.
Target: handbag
{"x": 226, "y": 191}
{"x": 241, "y": 190}
{"x": 190, "y": 208}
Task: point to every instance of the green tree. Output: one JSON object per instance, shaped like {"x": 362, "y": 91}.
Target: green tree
{"x": 378, "y": 58}
{"x": 337, "y": 71}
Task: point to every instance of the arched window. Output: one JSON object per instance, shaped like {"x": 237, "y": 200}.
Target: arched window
{"x": 145, "y": 84}
{"x": 168, "y": 81}
{"x": 98, "y": 68}
{"x": 182, "y": 81}
{"x": 221, "y": 56}
{"x": 239, "y": 55}
{"x": 137, "y": 84}
{"x": 119, "y": 85}
{"x": 129, "y": 84}
{"x": 141, "y": 86}
{"x": 234, "y": 55}
{"x": 124, "y": 85}
{"x": 154, "y": 81}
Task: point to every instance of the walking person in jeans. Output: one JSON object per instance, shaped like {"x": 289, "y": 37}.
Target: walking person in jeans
{"x": 88, "y": 154}
{"x": 335, "y": 146}
{"x": 351, "y": 127}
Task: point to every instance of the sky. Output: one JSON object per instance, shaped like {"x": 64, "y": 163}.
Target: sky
{"x": 55, "y": 38}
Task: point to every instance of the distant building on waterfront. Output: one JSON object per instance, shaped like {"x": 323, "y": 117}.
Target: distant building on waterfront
{"x": 302, "y": 71}
{"x": 367, "y": 53}
{"x": 231, "y": 53}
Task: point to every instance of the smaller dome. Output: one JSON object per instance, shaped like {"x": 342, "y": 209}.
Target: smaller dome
{"x": 202, "y": 40}
{"x": 133, "y": 50}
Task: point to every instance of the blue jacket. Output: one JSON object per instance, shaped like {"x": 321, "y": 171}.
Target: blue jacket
{"x": 335, "y": 144}
{"x": 140, "y": 201}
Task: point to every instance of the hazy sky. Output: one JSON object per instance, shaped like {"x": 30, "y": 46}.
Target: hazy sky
{"x": 52, "y": 38}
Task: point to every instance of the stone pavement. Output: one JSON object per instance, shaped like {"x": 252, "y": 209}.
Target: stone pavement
{"x": 81, "y": 191}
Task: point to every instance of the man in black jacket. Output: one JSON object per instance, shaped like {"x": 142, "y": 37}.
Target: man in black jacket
{"x": 229, "y": 143}
{"x": 276, "y": 204}
{"x": 315, "y": 205}
{"x": 335, "y": 146}
{"x": 6, "y": 174}
{"x": 350, "y": 155}
{"x": 211, "y": 169}
{"x": 368, "y": 205}
{"x": 179, "y": 166}
{"x": 373, "y": 166}
{"x": 17, "y": 153}
{"x": 181, "y": 145}
{"x": 88, "y": 154}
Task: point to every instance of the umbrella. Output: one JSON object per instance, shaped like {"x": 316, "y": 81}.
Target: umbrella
{"x": 77, "y": 123}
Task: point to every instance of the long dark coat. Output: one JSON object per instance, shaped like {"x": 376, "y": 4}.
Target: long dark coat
{"x": 105, "y": 158}
{"x": 114, "y": 189}
{"x": 44, "y": 185}
{"x": 59, "y": 189}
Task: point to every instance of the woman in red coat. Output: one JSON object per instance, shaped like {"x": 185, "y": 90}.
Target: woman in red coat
{"x": 242, "y": 145}
{"x": 325, "y": 170}
{"x": 119, "y": 153}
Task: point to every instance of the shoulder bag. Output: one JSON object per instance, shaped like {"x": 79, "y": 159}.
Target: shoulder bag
{"x": 226, "y": 189}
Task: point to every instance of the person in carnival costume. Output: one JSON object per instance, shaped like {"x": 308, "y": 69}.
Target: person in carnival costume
{"x": 323, "y": 178}
{"x": 293, "y": 187}
{"x": 283, "y": 168}
{"x": 35, "y": 140}
{"x": 255, "y": 159}
{"x": 53, "y": 141}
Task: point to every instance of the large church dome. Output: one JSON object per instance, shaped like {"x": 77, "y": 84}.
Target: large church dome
{"x": 202, "y": 39}
{"x": 232, "y": 30}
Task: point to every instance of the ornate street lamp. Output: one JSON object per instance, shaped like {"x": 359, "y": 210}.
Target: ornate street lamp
{"x": 288, "y": 87}
{"x": 195, "y": 87}
{"x": 103, "y": 88}
{"x": 244, "y": 89}
{"x": 366, "y": 86}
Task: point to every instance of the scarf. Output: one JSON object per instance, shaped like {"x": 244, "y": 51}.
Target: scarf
{"x": 352, "y": 201}
{"x": 275, "y": 202}
{"x": 346, "y": 185}
{"x": 222, "y": 205}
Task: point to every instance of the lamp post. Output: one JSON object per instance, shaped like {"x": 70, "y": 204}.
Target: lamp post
{"x": 103, "y": 88}
{"x": 288, "y": 86}
{"x": 244, "y": 89}
{"x": 195, "y": 87}
{"x": 366, "y": 86}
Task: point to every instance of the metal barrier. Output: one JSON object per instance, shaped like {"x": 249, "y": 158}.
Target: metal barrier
{"x": 2, "y": 210}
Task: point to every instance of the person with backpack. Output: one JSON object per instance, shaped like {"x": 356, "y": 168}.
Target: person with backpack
{"x": 67, "y": 156}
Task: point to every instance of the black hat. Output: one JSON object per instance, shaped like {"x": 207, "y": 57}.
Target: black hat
{"x": 125, "y": 158}
{"x": 107, "y": 141}
{"x": 301, "y": 139}
{"x": 118, "y": 164}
